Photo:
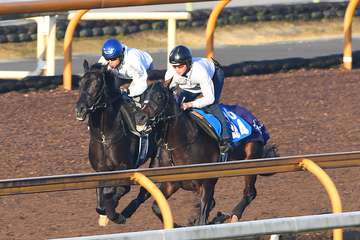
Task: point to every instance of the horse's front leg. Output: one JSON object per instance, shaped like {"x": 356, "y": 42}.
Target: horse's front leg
{"x": 111, "y": 196}
{"x": 143, "y": 195}
{"x": 207, "y": 202}
{"x": 168, "y": 189}
{"x": 100, "y": 208}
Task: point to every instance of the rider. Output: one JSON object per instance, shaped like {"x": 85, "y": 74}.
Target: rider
{"x": 129, "y": 65}
{"x": 200, "y": 81}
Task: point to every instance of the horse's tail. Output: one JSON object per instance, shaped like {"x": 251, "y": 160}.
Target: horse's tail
{"x": 270, "y": 151}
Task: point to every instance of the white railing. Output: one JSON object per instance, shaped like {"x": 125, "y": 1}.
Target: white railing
{"x": 171, "y": 17}
{"x": 241, "y": 229}
{"x": 46, "y": 39}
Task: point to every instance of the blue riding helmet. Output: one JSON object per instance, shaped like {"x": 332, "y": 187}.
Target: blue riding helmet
{"x": 112, "y": 49}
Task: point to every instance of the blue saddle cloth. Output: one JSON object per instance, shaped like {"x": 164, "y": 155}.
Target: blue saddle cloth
{"x": 244, "y": 125}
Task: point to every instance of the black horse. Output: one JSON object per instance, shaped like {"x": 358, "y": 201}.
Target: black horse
{"x": 185, "y": 142}
{"x": 114, "y": 145}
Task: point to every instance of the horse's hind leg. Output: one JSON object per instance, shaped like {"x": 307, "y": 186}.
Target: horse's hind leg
{"x": 252, "y": 150}
{"x": 168, "y": 189}
{"x": 248, "y": 197}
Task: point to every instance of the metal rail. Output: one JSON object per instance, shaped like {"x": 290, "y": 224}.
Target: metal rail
{"x": 46, "y": 38}
{"x": 37, "y": 6}
{"x": 348, "y": 19}
{"x": 158, "y": 196}
{"x": 240, "y": 229}
{"x": 330, "y": 188}
{"x": 185, "y": 172}
{"x": 211, "y": 25}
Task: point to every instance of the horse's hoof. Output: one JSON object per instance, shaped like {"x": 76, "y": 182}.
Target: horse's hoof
{"x": 234, "y": 219}
{"x": 103, "y": 220}
{"x": 120, "y": 219}
{"x": 177, "y": 225}
{"x": 221, "y": 217}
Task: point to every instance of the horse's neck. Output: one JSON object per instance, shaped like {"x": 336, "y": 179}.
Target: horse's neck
{"x": 107, "y": 121}
{"x": 181, "y": 129}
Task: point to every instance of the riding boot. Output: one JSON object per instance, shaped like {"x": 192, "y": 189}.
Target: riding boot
{"x": 128, "y": 109}
{"x": 225, "y": 142}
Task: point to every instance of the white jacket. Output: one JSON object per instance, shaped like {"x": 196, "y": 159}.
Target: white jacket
{"x": 197, "y": 80}
{"x": 134, "y": 66}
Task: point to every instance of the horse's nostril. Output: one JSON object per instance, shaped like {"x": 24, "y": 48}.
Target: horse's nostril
{"x": 80, "y": 112}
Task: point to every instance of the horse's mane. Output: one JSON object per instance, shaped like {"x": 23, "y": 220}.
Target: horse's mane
{"x": 109, "y": 76}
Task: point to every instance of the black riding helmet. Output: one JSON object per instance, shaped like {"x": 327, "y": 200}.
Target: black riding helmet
{"x": 181, "y": 55}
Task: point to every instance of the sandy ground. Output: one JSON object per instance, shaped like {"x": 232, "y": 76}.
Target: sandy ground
{"x": 306, "y": 112}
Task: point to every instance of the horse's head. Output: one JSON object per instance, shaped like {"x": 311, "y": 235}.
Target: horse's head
{"x": 155, "y": 102}
{"x": 92, "y": 90}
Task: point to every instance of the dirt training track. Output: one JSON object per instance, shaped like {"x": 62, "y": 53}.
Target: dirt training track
{"x": 306, "y": 112}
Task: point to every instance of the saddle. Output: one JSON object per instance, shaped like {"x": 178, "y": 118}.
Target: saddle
{"x": 244, "y": 125}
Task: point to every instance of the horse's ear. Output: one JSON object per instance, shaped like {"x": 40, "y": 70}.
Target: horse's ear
{"x": 86, "y": 65}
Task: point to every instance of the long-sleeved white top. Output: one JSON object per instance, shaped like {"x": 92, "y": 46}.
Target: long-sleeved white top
{"x": 197, "y": 80}
{"x": 134, "y": 66}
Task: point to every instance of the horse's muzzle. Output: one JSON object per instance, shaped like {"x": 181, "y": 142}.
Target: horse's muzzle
{"x": 80, "y": 112}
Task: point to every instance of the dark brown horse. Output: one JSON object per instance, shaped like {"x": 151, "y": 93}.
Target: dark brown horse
{"x": 113, "y": 146}
{"x": 184, "y": 142}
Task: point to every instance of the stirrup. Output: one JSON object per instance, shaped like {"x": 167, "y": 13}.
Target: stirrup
{"x": 224, "y": 156}
{"x": 225, "y": 146}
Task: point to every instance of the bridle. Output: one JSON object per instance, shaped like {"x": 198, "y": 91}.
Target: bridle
{"x": 101, "y": 101}
{"x": 148, "y": 103}
{"x": 98, "y": 102}
{"x": 161, "y": 116}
